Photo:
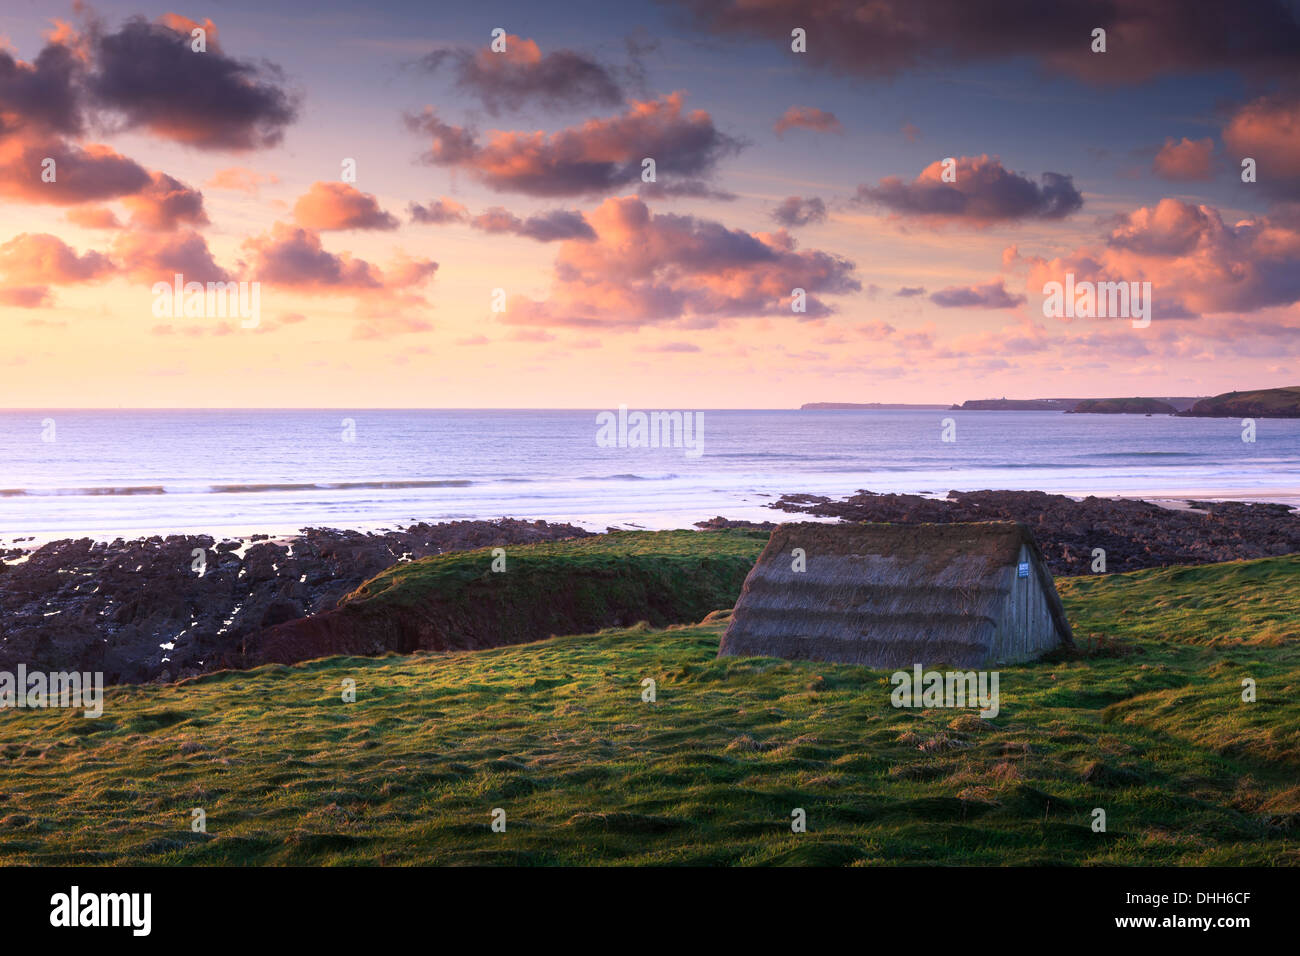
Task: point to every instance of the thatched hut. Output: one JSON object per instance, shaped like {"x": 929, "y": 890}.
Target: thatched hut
{"x": 896, "y": 595}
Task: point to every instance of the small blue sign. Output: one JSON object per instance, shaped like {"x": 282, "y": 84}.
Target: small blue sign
{"x": 1023, "y": 570}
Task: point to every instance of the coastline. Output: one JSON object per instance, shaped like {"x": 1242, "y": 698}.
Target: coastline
{"x": 667, "y": 519}
{"x": 165, "y": 607}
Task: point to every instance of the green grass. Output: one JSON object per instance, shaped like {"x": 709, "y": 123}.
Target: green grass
{"x": 1281, "y": 402}
{"x": 457, "y": 600}
{"x": 1148, "y": 724}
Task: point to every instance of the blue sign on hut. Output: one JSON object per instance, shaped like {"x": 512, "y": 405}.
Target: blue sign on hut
{"x": 893, "y": 595}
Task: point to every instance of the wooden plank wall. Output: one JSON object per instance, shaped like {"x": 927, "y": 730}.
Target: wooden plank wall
{"x": 1026, "y": 629}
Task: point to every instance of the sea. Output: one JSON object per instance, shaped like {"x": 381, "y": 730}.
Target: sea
{"x": 125, "y": 473}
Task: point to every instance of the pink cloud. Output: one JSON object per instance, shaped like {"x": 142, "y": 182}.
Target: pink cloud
{"x": 439, "y": 212}
{"x": 150, "y": 257}
{"x": 293, "y": 257}
{"x": 1184, "y": 161}
{"x": 990, "y": 295}
{"x": 599, "y": 155}
{"x": 42, "y": 259}
{"x": 982, "y": 192}
{"x": 26, "y": 296}
{"x": 336, "y": 205}
{"x": 645, "y": 269}
{"x": 522, "y": 74}
{"x": 240, "y": 179}
{"x": 1197, "y": 263}
{"x": 1268, "y": 131}
{"x": 93, "y": 217}
{"x": 81, "y": 174}
{"x": 809, "y": 118}
{"x": 165, "y": 204}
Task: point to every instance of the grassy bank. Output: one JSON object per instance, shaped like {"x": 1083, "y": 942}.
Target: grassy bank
{"x": 470, "y": 600}
{"x": 1149, "y": 726}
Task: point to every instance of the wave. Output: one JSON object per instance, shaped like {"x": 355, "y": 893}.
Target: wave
{"x": 264, "y": 487}
{"x": 252, "y": 488}
{"x": 1143, "y": 454}
{"x": 112, "y": 490}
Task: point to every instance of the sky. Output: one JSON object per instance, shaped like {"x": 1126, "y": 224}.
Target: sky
{"x": 431, "y": 222}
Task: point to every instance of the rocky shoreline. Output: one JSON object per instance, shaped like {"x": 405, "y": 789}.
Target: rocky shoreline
{"x": 139, "y": 611}
{"x": 1134, "y": 534}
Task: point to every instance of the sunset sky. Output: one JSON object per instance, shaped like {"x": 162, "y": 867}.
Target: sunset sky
{"x": 522, "y": 171}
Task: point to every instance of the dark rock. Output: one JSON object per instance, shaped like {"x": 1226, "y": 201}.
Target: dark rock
{"x": 138, "y": 612}
{"x": 1134, "y": 534}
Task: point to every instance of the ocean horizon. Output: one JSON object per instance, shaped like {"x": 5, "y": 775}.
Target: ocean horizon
{"x": 131, "y": 472}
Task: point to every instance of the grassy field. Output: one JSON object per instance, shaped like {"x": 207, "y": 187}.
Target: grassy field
{"x": 1148, "y": 724}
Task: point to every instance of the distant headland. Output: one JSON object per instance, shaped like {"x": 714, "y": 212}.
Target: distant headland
{"x": 1261, "y": 403}
{"x": 851, "y": 406}
{"x": 1124, "y": 406}
{"x": 1111, "y": 406}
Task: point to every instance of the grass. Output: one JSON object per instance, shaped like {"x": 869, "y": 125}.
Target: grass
{"x": 1281, "y": 402}
{"x": 457, "y": 600}
{"x": 1147, "y": 724}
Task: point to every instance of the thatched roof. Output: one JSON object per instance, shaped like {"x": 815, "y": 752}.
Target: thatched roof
{"x": 888, "y": 595}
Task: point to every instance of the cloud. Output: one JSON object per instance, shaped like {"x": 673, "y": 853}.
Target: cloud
{"x": 1184, "y": 161}
{"x": 335, "y": 205}
{"x": 683, "y": 189}
{"x": 529, "y": 335}
{"x": 1170, "y": 228}
{"x": 545, "y": 227}
{"x": 45, "y": 107}
{"x": 41, "y": 95}
{"x": 807, "y": 117}
{"x": 32, "y": 262}
{"x": 1145, "y": 38}
{"x": 293, "y": 257}
{"x": 26, "y": 296}
{"x": 149, "y": 75}
{"x": 985, "y": 192}
{"x": 439, "y": 212}
{"x": 165, "y": 204}
{"x": 910, "y": 133}
{"x": 1197, "y": 264}
{"x": 1268, "y": 131}
{"x": 552, "y": 226}
{"x": 149, "y": 257}
{"x": 93, "y": 217}
{"x": 240, "y": 179}
{"x": 795, "y": 211}
{"x": 218, "y": 329}
{"x": 990, "y": 295}
{"x": 876, "y": 331}
{"x": 907, "y": 292}
{"x": 90, "y": 174}
{"x": 645, "y": 268}
{"x": 598, "y": 156}
{"x": 522, "y": 75}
